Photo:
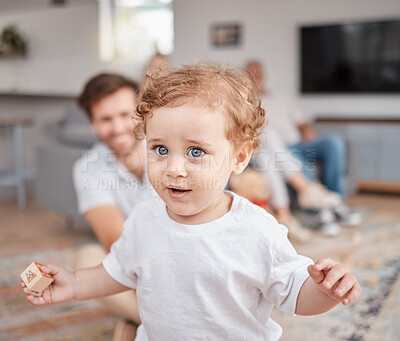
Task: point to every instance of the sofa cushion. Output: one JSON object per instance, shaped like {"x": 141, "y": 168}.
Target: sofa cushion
{"x": 74, "y": 129}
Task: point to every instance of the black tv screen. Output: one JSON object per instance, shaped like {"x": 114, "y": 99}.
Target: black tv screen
{"x": 351, "y": 58}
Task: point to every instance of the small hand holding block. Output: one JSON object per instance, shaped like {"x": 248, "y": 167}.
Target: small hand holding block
{"x": 35, "y": 279}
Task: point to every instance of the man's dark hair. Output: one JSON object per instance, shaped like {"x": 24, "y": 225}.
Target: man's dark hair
{"x": 101, "y": 86}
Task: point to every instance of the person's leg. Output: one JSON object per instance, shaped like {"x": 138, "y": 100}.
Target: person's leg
{"x": 333, "y": 156}
{"x": 123, "y": 304}
{"x": 251, "y": 185}
{"x": 312, "y": 195}
{"x": 124, "y": 331}
{"x": 279, "y": 199}
{"x": 330, "y": 153}
{"x": 278, "y": 191}
{"x": 307, "y": 155}
{"x": 299, "y": 183}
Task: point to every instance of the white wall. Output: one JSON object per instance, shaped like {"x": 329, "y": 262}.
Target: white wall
{"x": 271, "y": 35}
{"x": 62, "y": 48}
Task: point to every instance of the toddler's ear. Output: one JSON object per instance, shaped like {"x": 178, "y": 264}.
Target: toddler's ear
{"x": 242, "y": 159}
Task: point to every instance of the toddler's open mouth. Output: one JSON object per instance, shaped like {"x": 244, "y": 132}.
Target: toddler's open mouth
{"x": 178, "y": 190}
{"x": 177, "y": 193}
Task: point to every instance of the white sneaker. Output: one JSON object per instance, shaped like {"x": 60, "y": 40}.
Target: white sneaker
{"x": 317, "y": 197}
{"x": 347, "y": 216}
{"x": 330, "y": 229}
{"x": 327, "y": 222}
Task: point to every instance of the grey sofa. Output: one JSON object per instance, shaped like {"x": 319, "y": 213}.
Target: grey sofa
{"x": 58, "y": 147}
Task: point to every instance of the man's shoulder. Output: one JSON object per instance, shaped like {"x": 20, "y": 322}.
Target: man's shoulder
{"x": 89, "y": 155}
{"x": 97, "y": 158}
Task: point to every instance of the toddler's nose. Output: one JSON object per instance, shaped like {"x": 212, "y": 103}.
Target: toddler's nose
{"x": 176, "y": 166}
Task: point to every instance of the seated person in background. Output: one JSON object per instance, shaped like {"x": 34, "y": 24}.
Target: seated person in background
{"x": 279, "y": 167}
{"x": 251, "y": 185}
{"x": 110, "y": 179}
{"x": 328, "y": 152}
{"x": 207, "y": 264}
{"x": 272, "y": 167}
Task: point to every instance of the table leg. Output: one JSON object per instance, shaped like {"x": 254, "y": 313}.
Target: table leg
{"x": 18, "y": 150}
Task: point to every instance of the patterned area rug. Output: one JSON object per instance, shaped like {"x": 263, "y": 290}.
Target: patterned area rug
{"x": 373, "y": 252}
{"x": 381, "y": 296}
{"x": 19, "y": 320}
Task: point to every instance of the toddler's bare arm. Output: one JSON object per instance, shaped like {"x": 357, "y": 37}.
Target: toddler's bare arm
{"x": 82, "y": 285}
{"x": 329, "y": 284}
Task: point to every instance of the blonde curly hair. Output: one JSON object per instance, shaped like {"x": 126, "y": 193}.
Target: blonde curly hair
{"x": 226, "y": 89}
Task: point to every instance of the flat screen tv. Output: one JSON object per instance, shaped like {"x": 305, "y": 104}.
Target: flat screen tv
{"x": 351, "y": 58}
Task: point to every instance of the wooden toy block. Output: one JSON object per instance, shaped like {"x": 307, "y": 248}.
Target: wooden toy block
{"x": 35, "y": 279}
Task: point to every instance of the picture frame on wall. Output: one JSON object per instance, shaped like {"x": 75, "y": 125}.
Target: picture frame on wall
{"x": 226, "y": 35}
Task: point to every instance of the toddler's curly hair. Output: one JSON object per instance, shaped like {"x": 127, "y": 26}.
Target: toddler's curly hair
{"x": 225, "y": 89}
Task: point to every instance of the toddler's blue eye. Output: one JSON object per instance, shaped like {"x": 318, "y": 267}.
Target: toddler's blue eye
{"x": 162, "y": 150}
{"x": 196, "y": 152}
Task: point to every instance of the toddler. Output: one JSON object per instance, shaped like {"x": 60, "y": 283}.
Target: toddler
{"x": 206, "y": 263}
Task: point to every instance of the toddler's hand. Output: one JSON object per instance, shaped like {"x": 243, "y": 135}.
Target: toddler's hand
{"x": 63, "y": 288}
{"x": 335, "y": 280}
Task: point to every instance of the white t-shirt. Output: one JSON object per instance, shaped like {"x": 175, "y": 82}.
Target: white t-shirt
{"x": 215, "y": 281}
{"x": 284, "y": 115}
{"x": 100, "y": 179}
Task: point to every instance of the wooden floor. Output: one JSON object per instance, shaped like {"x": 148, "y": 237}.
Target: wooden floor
{"x": 35, "y": 224}
{"x": 373, "y": 207}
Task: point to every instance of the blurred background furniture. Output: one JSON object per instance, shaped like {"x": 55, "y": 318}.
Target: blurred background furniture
{"x": 59, "y": 146}
{"x": 18, "y": 175}
{"x": 373, "y": 160}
